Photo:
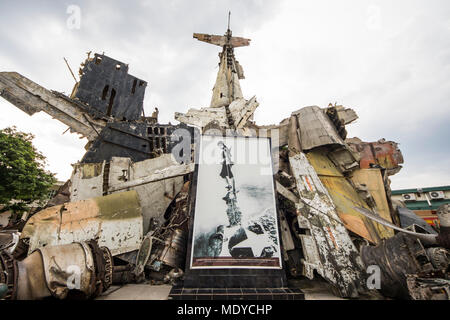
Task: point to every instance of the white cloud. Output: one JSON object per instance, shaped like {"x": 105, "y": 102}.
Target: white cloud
{"x": 388, "y": 60}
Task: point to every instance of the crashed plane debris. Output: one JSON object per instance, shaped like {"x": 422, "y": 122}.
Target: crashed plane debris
{"x": 126, "y": 213}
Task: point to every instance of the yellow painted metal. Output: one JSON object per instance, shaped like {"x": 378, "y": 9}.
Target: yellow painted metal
{"x": 345, "y": 198}
{"x": 322, "y": 164}
{"x": 374, "y": 183}
{"x": 90, "y": 170}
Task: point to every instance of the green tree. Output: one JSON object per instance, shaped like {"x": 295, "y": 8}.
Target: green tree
{"x": 23, "y": 179}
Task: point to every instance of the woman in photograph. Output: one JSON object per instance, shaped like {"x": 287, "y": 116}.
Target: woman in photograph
{"x": 226, "y": 172}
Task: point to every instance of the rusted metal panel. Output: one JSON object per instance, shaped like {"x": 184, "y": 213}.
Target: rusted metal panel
{"x": 326, "y": 243}
{"x": 383, "y": 153}
{"x": 345, "y": 198}
{"x": 116, "y": 220}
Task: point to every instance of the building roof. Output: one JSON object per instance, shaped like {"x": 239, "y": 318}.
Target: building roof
{"x": 429, "y": 189}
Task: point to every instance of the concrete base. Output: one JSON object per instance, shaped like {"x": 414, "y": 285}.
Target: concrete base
{"x": 312, "y": 289}
{"x": 136, "y": 292}
{"x": 316, "y": 291}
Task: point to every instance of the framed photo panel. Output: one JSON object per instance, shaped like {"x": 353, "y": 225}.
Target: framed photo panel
{"x": 235, "y": 216}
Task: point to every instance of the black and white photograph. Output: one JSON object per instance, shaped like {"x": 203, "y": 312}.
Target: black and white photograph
{"x": 235, "y": 222}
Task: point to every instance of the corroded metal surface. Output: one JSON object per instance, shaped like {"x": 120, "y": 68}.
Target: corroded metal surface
{"x": 80, "y": 268}
{"x": 60, "y": 262}
{"x": 9, "y": 273}
{"x": 239, "y": 112}
{"x": 428, "y": 288}
{"x": 372, "y": 181}
{"x": 345, "y": 198}
{"x": 330, "y": 184}
{"x": 315, "y": 128}
{"x": 222, "y": 40}
{"x": 86, "y": 181}
{"x": 326, "y": 244}
{"x": 382, "y": 153}
{"x": 396, "y": 257}
{"x": 116, "y": 220}
{"x": 106, "y": 86}
{"x": 31, "y": 98}
{"x": 429, "y": 239}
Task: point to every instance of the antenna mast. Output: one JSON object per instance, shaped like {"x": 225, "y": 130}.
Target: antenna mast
{"x": 67, "y": 63}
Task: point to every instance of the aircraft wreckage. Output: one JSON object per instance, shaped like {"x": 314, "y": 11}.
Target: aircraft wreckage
{"x": 126, "y": 214}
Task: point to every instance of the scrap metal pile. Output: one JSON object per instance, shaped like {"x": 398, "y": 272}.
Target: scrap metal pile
{"x": 123, "y": 216}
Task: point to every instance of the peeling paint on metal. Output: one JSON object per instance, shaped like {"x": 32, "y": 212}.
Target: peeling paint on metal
{"x": 344, "y": 197}
{"x": 115, "y": 219}
{"x": 328, "y": 247}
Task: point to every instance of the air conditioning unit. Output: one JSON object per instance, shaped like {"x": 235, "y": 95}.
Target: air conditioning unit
{"x": 436, "y": 194}
{"x": 409, "y": 196}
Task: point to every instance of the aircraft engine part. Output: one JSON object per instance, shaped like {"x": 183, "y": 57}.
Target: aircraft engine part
{"x": 8, "y": 274}
{"x": 396, "y": 257}
{"x": 440, "y": 257}
{"x": 173, "y": 250}
{"x": 81, "y": 268}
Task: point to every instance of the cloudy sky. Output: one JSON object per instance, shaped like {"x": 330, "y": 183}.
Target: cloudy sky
{"x": 388, "y": 60}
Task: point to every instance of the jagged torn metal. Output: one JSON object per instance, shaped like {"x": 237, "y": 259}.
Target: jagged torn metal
{"x": 327, "y": 246}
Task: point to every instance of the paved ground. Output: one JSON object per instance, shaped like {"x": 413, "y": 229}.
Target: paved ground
{"x": 314, "y": 290}
{"x": 136, "y": 292}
